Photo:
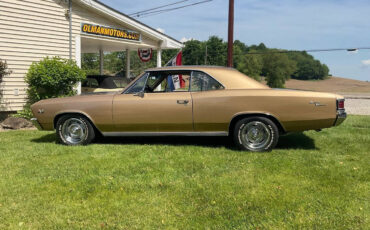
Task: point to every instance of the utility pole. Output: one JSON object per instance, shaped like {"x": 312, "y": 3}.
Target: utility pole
{"x": 231, "y": 34}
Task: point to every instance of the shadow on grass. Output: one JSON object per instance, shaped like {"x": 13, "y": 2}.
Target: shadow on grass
{"x": 296, "y": 141}
{"x": 291, "y": 141}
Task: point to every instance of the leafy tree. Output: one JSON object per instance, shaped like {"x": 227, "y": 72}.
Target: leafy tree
{"x": 193, "y": 53}
{"x": 238, "y": 55}
{"x": 217, "y": 51}
{"x": 307, "y": 67}
{"x": 240, "y": 45}
{"x": 52, "y": 77}
{"x": 90, "y": 63}
{"x": 278, "y": 68}
{"x": 115, "y": 62}
{"x": 251, "y": 65}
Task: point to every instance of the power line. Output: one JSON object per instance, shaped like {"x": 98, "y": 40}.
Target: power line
{"x": 155, "y": 8}
{"x": 170, "y": 9}
{"x": 310, "y": 51}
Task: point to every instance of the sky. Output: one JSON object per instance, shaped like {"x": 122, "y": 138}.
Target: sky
{"x": 284, "y": 24}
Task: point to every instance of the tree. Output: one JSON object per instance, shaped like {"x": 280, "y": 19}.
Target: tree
{"x": 278, "y": 68}
{"x": 193, "y": 53}
{"x": 251, "y": 65}
{"x": 307, "y": 67}
{"x": 90, "y": 63}
{"x": 115, "y": 62}
{"x": 52, "y": 77}
{"x": 240, "y": 45}
{"x": 217, "y": 51}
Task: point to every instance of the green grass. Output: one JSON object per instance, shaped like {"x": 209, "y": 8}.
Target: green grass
{"x": 314, "y": 180}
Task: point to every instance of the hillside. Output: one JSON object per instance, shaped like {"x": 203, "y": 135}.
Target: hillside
{"x": 333, "y": 84}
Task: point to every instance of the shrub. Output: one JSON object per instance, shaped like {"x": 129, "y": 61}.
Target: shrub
{"x": 26, "y": 113}
{"x": 52, "y": 77}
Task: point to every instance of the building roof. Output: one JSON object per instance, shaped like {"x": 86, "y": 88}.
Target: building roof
{"x": 167, "y": 41}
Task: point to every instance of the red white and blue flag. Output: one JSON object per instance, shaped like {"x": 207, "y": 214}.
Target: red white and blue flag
{"x": 175, "y": 81}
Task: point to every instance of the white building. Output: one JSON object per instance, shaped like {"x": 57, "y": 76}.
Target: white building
{"x": 33, "y": 29}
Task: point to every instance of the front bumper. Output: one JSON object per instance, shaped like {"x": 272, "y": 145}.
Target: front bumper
{"x": 36, "y": 123}
{"x": 341, "y": 116}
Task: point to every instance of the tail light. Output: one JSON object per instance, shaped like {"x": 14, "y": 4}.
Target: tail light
{"x": 341, "y": 112}
{"x": 340, "y": 104}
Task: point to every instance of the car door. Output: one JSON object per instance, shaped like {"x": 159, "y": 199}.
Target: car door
{"x": 157, "y": 111}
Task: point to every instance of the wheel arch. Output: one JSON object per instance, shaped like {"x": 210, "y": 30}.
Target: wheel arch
{"x": 240, "y": 116}
{"x": 59, "y": 115}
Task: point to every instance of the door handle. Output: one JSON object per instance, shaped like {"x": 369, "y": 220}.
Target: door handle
{"x": 182, "y": 102}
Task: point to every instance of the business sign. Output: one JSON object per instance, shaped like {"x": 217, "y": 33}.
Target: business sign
{"x": 110, "y": 32}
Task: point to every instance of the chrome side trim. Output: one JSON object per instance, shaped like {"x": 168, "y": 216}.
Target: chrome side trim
{"x": 316, "y": 103}
{"x": 36, "y": 123}
{"x": 162, "y": 134}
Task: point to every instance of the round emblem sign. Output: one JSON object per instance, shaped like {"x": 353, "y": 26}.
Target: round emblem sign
{"x": 145, "y": 54}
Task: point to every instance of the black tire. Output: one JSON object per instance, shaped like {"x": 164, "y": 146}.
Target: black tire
{"x": 67, "y": 127}
{"x": 263, "y": 129}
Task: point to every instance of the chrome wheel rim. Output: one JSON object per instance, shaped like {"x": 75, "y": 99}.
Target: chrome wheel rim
{"x": 74, "y": 131}
{"x": 255, "y": 135}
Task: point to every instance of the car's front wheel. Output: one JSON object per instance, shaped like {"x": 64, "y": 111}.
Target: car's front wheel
{"x": 257, "y": 134}
{"x": 74, "y": 130}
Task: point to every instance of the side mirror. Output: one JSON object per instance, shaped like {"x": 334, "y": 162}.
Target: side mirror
{"x": 139, "y": 94}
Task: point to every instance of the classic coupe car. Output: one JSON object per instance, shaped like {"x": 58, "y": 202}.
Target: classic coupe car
{"x": 210, "y": 101}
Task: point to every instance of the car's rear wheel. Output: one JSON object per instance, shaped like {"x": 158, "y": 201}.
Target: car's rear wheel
{"x": 74, "y": 130}
{"x": 257, "y": 134}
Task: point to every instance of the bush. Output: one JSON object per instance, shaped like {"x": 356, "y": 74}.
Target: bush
{"x": 26, "y": 113}
{"x": 52, "y": 77}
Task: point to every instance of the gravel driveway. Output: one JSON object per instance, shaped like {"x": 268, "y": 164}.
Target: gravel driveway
{"x": 357, "y": 106}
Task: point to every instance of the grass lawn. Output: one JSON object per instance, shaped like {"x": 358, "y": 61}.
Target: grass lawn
{"x": 314, "y": 180}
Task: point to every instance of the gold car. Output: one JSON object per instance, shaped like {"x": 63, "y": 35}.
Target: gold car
{"x": 191, "y": 101}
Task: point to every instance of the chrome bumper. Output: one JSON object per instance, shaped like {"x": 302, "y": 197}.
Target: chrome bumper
{"x": 36, "y": 123}
{"x": 341, "y": 116}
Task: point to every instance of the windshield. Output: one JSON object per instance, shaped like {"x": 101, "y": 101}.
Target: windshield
{"x": 136, "y": 85}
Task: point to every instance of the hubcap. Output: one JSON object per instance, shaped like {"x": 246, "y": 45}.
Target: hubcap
{"x": 74, "y": 131}
{"x": 255, "y": 135}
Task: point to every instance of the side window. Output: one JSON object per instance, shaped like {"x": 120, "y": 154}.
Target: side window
{"x": 178, "y": 82}
{"x": 167, "y": 82}
{"x": 138, "y": 86}
{"x": 203, "y": 82}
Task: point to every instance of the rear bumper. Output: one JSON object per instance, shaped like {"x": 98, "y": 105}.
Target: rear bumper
{"x": 341, "y": 116}
{"x": 36, "y": 123}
